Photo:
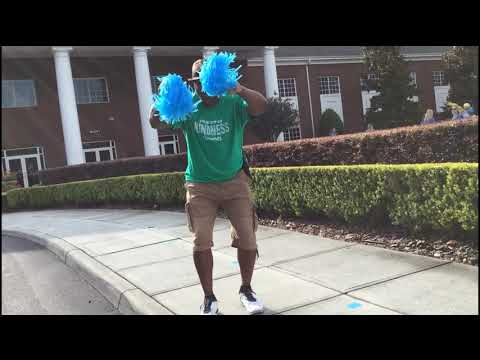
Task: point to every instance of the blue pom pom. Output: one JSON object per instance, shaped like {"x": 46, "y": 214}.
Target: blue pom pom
{"x": 174, "y": 100}
{"x": 216, "y": 76}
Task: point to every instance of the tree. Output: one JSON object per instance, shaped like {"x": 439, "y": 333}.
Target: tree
{"x": 461, "y": 72}
{"x": 329, "y": 120}
{"x": 393, "y": 107}
{"x": 280, "y": 115}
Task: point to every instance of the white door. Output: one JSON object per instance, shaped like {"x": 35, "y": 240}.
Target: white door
{"x": 366, "y": 98}
{"x": 330, "y": 94}
{"x": 28, "y": 166}
{"x": 332, "y": 101}
{"x": 441, "y": 94}
{"x": 17, "y": 165}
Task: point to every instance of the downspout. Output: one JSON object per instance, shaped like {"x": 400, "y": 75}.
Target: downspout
{"x": 310, "y": 96}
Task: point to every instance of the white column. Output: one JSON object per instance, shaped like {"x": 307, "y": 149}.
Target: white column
{"x": 144, "y": 90}
{"x": 68, "y": 106}
{"x": 209, "y": 50}
{"x": 270, "y": 71}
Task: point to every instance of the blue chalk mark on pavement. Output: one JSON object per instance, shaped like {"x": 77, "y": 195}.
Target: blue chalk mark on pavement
{"x": 354, "y": 305}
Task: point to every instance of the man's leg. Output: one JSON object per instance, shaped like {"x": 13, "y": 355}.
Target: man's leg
{"x": 245, "y": 243}
{"x": 204, "y": 264}
{"x": 201, "y": 208}
{"x": 243, "y": 238}
{"x": 246, "y": 260}
{"x": 241, "y": 212}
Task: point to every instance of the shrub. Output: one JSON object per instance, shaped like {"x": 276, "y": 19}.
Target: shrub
{"x": 4, "y": 202}
{"x": 450, "y": 141}
{"x": 114, "y": 168}
{"x": 9, "y": 181}
{"x": 434, "y": 197}
{"x": 329, "y": 120}
{"x": 162, "y": 189}
{"x": 420, "y": 196}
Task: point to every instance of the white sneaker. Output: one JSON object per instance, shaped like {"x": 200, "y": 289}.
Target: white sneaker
{"x": 250, "y": 301}
{"x": 209, "y": 306}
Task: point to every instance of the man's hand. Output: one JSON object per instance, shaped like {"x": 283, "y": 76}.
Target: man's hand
{"x": 154, "y": 117}
{"x": 155, "y": 122}
{"x": 239, "y": 88}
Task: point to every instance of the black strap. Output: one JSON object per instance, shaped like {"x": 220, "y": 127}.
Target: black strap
{"x": 246, "y": 166}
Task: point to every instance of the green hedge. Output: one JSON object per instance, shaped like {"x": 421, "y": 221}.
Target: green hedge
{"x": 9, "y": 181}
{"x": 163, "y": 189}
{"x": 418, "y": 196}
{"x": 4, "y": 202}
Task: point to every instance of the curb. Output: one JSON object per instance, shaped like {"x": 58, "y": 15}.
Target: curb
{"x": 123, "y": 295}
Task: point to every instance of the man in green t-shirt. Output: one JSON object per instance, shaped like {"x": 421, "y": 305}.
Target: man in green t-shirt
{"x": 215, "y": 178}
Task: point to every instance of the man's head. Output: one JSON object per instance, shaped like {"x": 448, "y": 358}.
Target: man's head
{"x": 195, "y": 82}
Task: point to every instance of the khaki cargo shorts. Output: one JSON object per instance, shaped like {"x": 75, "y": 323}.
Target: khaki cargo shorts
{"x": 235, "y": 197}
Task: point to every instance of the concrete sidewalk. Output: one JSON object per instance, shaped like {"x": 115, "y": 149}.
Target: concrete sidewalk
{"x": 141, "y": 261}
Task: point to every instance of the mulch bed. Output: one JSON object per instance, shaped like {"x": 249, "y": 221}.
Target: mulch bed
{"x": 437, "y": 245}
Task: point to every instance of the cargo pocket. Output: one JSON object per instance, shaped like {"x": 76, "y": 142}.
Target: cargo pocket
{"x": 188, "y": 211}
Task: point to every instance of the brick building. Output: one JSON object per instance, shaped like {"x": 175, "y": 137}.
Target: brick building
{"x": 69, "y": 105}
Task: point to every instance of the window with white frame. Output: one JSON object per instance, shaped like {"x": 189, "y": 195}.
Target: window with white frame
{"x": 287, "y": 87}
{"x": 168, "y": 144}
{"x": 18, "y": 93}
{"x": 329, "y": 85}
{"x": 293, "y": 133}
{"x": 95, "y": 151}
{"x": 438, "y": 78}
{"x": 91, "y": 90}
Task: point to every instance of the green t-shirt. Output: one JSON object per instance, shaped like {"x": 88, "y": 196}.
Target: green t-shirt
{"x": 214, "y": 138}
